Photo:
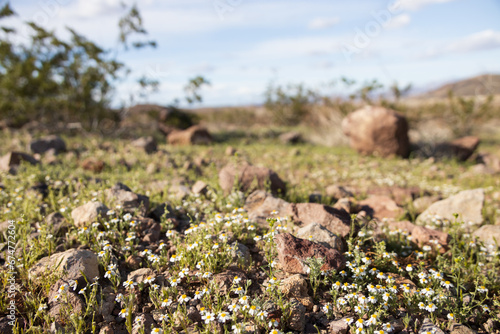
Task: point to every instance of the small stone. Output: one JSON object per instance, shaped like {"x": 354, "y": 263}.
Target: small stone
{"x": 195, "y": 135}
{"x": 200, "y": 187}
{"x": 461, "y": 329}
{"x": 296, "y": 287}
{"x": 148, "y": 144}
{"x": 297, "y": 319}
{"x": 428, "y": 326}
{"x": 489, "y": 234}
{"x": 140, "y": 275}
{"x": 338, "y": 327}
{"x": 260, "y": 204}
{"x": 381, "y": 207}
{"x": 94, "y": 165}
{"x": 141, "y": 322}
{"x": 74, "y": 263}
{"x": 249, "y": 177}
{"x": 468, "y": 204}
{"x": 294, "y": 252}
{"x": 240, "y": 254}
{"x": 338, "y": 192}
{"x": 321, "y": 235}
{"x": 88, "y": 213}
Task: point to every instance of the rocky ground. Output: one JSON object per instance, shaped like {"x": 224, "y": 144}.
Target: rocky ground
{"x": 127, "y": 236}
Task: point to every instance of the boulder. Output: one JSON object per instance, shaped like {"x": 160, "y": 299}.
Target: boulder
{"x": 321, "y": 235}
{"x": 195, "y": 135}
{"x": 71, "y": 264}
{"x": 377, "y": 130}
{"x": 12, "y": 160}
{"x": 380, "y": 207}
{"x": 335, "y": 221}
{"x": 468, "y": 204}
{"x": 260, "y": 204}
{"x": 294, "y": 252}
{"x": 88, "y": 213}
{"x": 42, "y": 145}
{"x": 249, "y": 177}
{"x": 489, "y": 234}
{"x": 421, "y": 204}
{"x": 148, "y": 144}
{"x": 128, "y": 200}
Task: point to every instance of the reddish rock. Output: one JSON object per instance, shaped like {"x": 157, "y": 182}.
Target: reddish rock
{"x": 293, "y": 252}
{"x": 377, "y": 130}
{"x": 194, "y": 135}
{"x": 492, "y": 162}
{"x": 401, "y": 195}
{"x": 128, "y": 200}
{"x": 420, "y": 234}
{"x": 460, "y": 149}
{"x": 224, "y": 280}
{"x": 335, "y": 221}
{"x": 249, "y": 178}
{"x": 93, "y": 165}
{"x": 380, "y": 207}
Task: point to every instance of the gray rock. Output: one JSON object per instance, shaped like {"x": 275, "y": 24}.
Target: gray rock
{"x": 297, "y": 316}
{"x": 321, "y": 235}
{"x": 148, "y": 144}
{"x": 338, "y": 327}
{"x": 58, "y": 222}
{"x": 140, "y": 275}
{"x": 142, "y": 322}
{"x": 428, "y": 326}
{"x": 42, "y": 145}
{"x": 241, "y": 254}
{"x": 129, "y": 201}
{"x": 71, "y": 264}
{"x": 468, "y": 204}
{"x": 461, "y": 329}
{"x": 260, "y": 204}
{"x": 68, "y": 299}
{"x": 88, "y": 213}
{"x": 422, "y": 203}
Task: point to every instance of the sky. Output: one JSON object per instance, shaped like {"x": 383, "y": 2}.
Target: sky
{"x": 242, "y": 46}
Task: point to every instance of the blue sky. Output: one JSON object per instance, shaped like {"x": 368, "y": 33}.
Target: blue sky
{"x": 243, "y": 45}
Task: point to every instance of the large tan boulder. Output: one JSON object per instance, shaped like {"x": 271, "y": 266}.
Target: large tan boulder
{"x": 377, "y": 130}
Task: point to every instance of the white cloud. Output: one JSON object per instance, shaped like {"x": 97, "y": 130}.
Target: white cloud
{"x": 417, "y": 4}
{"x": 398, "y": 21}
{"x": 323, "y": 23}
{"x": 483, "y": 40}
{"x": 293, "y": 47}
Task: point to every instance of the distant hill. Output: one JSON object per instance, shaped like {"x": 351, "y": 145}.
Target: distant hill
{"x": 481, "y": 85}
